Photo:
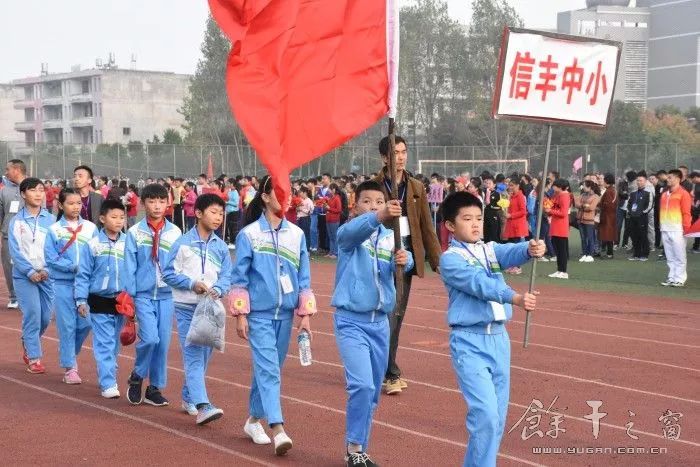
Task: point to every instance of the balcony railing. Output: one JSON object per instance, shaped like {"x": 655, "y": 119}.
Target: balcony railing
{"x": 23, "y": 103}
{"x": 87, "y": 97}
{"x": 50, "y": 124}
{"x": 25, "y": 126}
{"x": 82, "y": 121}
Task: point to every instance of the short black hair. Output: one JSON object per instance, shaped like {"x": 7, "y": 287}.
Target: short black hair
{"x": 631, "y": 175}
{"x": 500, "y": 178}
{"x": 661, "y": 172}
{"x": 29, "y": 184}
{"x": 326, "y": 174}
{"x": 642, "y": 173}
{"x": 693, "y": 174}
{"x": 384, "y": 144}
{"x": 456, "y": 201}
{"x": 678, "y": 173}
{"x": 18, "y": 164}
{"x": 609, "y": 179}
{"x": 87, "y": 169}
{"x": 562, "y": 184}
{"x": 109, "y": 204}
{"x": 206, "y": 200}
{"x": 154, "y": 191}
{"x": 369, "y": 185}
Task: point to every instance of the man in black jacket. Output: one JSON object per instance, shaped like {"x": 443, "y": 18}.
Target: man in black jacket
{"x": 638, "y": 207}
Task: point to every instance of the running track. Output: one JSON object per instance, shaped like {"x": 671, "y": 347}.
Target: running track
{"x": 634, "y": 354}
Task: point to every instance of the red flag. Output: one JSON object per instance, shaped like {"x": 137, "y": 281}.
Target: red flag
{"x": 304, "y": 77}
{"x": 693, "y": 231}
{"x": 210, "y": 169}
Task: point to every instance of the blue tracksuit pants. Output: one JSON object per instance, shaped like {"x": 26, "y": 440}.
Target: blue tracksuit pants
{"x": 105, "y": 345}
{"x": 269, "y": 341}
{"x": 364, "y": 349}
{"x": 72, "y": 328}
{"x": 35, "y": 301}
{"x": 154, "y": 323}
{"x": 195, "y": 358}
{"x": 482, "y": 364}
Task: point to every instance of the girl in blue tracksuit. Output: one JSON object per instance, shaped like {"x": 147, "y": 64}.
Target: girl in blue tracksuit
{"x": 364, "y": 297}
{"x": 479, "y": 306}
{"x": 199, "y": 264}
{"x": 27, "y": 234}
{"x": 99, "y": 280}
{"x": 270, "y": 270}
{"x": 148, "y": 244}
{"x": 62, "y": 253}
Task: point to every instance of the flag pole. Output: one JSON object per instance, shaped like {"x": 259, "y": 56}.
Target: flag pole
{"x": 395, "y": 224}
{"x": 540, "y": 213}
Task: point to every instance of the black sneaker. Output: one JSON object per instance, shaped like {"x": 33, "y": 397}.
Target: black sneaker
{"x": 359, "y": 459}
{"x": 154, "y": 397}
{"x": 135, "y": 395}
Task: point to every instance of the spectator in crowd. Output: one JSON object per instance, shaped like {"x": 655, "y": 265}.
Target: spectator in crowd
{"x": 334, "y": 209}
{"x": 685, "y": 181}
{"x": 188, "y": 204}
{"x": 559, "y": 228}
{"x": 84, "y": 183}
{"x": 638, "y": 207}
{"x": 132, "y": 205}
{"x": 492, "y": 220}
{"x": 10, "y": 204}
{"x": 233, "y": 211}
{"x": 304, "y": 210}
{"x": 695, "y": 211}
{"x": 587, "y": 206}
{"x": 607, "y": 228}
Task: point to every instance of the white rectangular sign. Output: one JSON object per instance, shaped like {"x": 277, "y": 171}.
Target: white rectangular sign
{"x": 555, "y": 77}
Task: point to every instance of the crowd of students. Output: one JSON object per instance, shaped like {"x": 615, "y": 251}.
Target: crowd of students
{"x": 96, "y": 269}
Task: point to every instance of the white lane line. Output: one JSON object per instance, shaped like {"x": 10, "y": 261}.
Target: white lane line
{"x": 447, "y": 331}
{"x": 140, "y": 420}
{"x": 440, "y": 439}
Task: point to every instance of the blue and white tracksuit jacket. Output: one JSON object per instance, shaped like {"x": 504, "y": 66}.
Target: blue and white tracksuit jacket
{"x": 72, "y": 328}
{"x": 195, "y": 260}
{"x": 27, "y": 236}
{"x": 265, "y": 258}
{"x": 479, "y": 305}
{"x": 101, "y": 272}
{"x": 152, "y": 297}
{"x": 364, "y": 297}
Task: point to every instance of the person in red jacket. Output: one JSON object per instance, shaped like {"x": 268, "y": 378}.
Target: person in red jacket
{"x": 334, "y": 208}
{"x": 559, "y": 225}
{"x": 516, "y": 228}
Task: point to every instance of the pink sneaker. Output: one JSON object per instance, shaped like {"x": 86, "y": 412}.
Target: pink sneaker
{"x": 72, "y": 377}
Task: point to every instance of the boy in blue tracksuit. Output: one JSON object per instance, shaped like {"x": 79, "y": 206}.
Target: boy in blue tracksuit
{"x": 479, "y": 306}
{"x": 364, "y": 297}
{"x": 34, "y": 288}
{"x": 148, "y": 244}
{"x": 100, "y": 279}
{"x": 62, "y": 253}
{"x": 271, "y": 283}
{"x": 199, "y": 264}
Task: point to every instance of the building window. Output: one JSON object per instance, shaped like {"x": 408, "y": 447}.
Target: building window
{"x": 126, "y": 131}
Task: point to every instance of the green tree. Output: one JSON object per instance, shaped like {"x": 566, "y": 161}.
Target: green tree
{"x": 172, "y": 136}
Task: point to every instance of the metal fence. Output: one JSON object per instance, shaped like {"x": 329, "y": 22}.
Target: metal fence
{"x": 135, "y": 161}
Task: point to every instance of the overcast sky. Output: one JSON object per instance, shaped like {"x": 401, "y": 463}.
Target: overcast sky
{"x": 163, "y": 34}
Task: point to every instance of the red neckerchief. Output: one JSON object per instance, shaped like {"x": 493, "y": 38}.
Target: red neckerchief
{"x": 73, "y": 236}
{"x": 156, "y": 238}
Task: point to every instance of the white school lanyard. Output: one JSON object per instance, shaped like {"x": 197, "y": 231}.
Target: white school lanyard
{"x": 36, "y": 223}
{"x": 203, "y": 252}
{"x": 402, "y": 195}
{"x": 487, "y": 267}
{"x": 275, "y": 243}
{"x": 376, "y": 253}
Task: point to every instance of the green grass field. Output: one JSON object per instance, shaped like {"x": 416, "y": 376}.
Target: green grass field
{"x": 613, "y": 275}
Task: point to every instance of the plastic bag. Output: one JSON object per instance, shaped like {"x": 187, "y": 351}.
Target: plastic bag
{"x": 208, "y": 324}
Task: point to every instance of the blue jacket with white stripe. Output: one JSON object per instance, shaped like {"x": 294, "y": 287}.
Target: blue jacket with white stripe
{"x": 263, "y": 257}
{"x": 364, "y": 277}
{"x": 144, "y": 276}
{"x": 102, "y": 268}
{"x": 192, "y": 260}
{"x": 471, "y": 283}
{"x": 64, "y": 266}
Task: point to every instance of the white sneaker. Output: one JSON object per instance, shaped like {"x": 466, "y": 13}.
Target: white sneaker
{"x": 589, "y": 259}
{"x": 111, "y": 393}
{"x": 554, "y": 275}
{"x": 256, "y": 432}
{"x": 189, "y": 408}
{"x": 12, "y": 305}
{"x": 582, "y": 259}
{"x": 282, "y": 444}
{"x": 677, "y": 284}
{"x": 563, "y": 275}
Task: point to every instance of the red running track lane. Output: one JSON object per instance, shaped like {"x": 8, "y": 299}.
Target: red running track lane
{"x": 623, "y": 350}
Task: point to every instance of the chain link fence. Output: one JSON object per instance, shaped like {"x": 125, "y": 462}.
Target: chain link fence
{"x": 134, "y": 161}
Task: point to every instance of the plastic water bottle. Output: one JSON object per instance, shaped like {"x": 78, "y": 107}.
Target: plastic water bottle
{"x": 304, "y": 342}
